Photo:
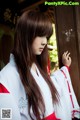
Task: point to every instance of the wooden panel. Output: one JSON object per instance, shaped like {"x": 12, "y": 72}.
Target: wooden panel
{"x": 67, "y": 40}
{"x": 77, "y": 16}
{"x": 77, "y": 22}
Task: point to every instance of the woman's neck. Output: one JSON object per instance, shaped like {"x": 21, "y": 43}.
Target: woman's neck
{"x": 33, "y": 67}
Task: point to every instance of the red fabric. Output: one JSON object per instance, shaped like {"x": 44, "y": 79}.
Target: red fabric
{"x": 72, "y": 101}
{"x": 3, "y": 89}
{"x": 68, "y": 87}
{"x": 68, "y": 68}
{"x": 64, "y": 73}
{"x": 51, "y": 117}
{"x": 75, "y": 111}
{"x": 48, "y": 67}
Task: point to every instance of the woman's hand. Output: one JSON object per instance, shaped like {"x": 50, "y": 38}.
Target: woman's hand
{"x": 66, "y": 59}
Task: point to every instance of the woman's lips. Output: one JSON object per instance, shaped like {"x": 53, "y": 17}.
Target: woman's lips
{"x": 41, "y": 49}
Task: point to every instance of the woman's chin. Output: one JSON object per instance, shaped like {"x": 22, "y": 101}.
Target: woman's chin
{"x": 39, "y": 53}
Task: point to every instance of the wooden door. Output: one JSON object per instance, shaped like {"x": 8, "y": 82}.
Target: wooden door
{"x": 67, "y": 21}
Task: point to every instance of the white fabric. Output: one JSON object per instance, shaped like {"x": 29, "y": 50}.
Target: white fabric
{"x": 17, "y": 99}
{"x": 44, "y": 91}
{"x": 65, "y": 101}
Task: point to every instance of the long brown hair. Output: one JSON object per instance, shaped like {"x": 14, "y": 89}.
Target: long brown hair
{"x": 30, "y": 25}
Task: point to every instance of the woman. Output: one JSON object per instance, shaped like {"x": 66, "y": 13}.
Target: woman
{"x": 33, "y": 93}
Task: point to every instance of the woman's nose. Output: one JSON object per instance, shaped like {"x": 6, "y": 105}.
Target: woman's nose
{"x": 43, "y": 44}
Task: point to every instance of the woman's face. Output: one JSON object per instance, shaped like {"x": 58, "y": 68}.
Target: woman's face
{"x": 38, "y": 45}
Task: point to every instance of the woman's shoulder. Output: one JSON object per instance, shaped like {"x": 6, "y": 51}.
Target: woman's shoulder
{"x": 9, "y": 72}
{"x": 9, "y": 75}
{"x": 10, "y": 68}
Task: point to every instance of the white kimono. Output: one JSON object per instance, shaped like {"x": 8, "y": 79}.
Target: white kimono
{"x": 16, "y": 101}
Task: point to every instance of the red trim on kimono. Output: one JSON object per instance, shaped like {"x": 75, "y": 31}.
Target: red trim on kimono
{"x": 68, "y": 67}
{"x": 68, "y": 89}
{"x": 64, "y": 73}
{"x": 75, "y": 111}
{"x": 3, "y": 89}
{"x": 48, "y": 67}
{"x": 51, "y": 117}
{"x": 72, "y": 101}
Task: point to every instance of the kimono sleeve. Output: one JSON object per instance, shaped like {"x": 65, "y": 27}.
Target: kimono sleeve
{"x": 74, "y": 102}
{"x": 8, "y": 107}
{"x": 63, "y": 79}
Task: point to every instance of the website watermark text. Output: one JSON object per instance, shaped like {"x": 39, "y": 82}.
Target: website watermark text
{"x": 63, "y": 3}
